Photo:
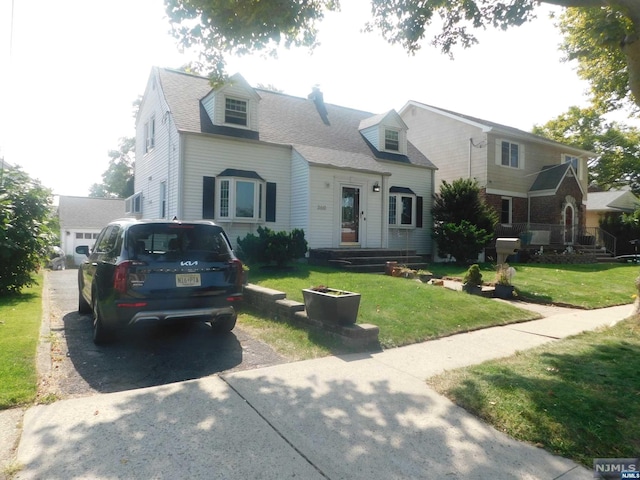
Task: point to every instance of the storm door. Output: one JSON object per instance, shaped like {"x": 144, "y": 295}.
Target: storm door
{"x": 350, "y": 216}
{"x": 569, "y": 223}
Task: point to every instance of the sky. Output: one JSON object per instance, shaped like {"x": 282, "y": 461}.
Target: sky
{"x": 70, "y": 71}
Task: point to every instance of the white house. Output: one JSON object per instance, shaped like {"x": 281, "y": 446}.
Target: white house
{"x": 82, "y": 218}
{"x": 248, "y": 157}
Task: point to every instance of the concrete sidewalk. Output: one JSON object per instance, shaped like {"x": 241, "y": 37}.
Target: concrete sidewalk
{"x": 359, "y": 416}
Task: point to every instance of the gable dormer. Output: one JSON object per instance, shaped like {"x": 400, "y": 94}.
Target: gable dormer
{"x": 233, "y": 105}
{"x": 387, "y": 132}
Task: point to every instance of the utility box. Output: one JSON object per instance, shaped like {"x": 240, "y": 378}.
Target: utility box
{"x": 506, "y": 247}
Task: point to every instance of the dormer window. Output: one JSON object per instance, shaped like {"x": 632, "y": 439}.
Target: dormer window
{"x": 235, "y": 111}
{"x": 391, "y": 140}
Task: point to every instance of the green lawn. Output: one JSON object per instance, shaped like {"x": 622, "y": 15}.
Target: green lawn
{"x": 578, "y": 398}
{"x": 406, "y": 311}
{"x": 20, "y": 318}
{"x": 585, "y": 286}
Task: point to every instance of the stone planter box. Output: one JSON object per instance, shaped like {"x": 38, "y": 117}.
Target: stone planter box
{"x": 330, "y": 305}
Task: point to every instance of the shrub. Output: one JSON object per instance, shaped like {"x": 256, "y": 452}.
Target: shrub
{"x": 25, "y": 234}
{"x": 272, "y": 247}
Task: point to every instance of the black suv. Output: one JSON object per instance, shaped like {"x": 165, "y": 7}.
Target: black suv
{"x": 159, "y": 271}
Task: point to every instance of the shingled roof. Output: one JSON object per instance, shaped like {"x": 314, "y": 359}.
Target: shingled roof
{"x": 550, "y": 177}
{"x": 287, "y": 120}
{"x": 88, "y": 212}
{"x": 498, "y": 128}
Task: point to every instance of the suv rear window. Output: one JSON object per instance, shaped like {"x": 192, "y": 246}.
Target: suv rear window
{"x": 174, "y": 242}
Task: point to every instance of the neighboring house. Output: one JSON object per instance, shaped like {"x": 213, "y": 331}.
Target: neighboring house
{"x": 617, "y": 201}
{"x": 528, "y": 179}
{"x": 82, "y": 218}
{"x": 246, "y": 157}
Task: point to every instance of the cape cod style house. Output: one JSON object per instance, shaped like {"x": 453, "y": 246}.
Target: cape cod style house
{"x": 246, "y": 157}
{"x": 538, "y": 186}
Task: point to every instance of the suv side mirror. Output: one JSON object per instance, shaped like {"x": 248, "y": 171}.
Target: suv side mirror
{"x": 82, "y": 250}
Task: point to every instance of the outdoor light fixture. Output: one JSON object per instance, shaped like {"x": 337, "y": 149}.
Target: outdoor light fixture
{"x": 376, "y": 187}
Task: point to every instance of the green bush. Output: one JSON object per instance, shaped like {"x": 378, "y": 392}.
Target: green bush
{"x": 25, "y": 233}
{"x": 272, "y": 247}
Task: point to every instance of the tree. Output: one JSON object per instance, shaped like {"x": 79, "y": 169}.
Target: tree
{"x": 605, "y": 43}
{"x": 617, "y": 146}
{"x": 117, "y": 180}
{"x": 594, "y": 28}
{"x": 25, "y": 233}
{"x": 463, "y": 223}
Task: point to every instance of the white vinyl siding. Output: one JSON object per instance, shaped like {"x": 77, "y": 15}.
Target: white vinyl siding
{"x": 209, "y": 156}
{"x": 419, "y": 180}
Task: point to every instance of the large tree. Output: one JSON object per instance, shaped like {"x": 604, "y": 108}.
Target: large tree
{"x": 117, "y": 180}
{"x": 595, "y": 30}
{"x": 617, "y": 146}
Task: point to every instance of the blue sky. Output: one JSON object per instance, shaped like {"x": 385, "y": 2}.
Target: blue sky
{"x": 75, "y": 67}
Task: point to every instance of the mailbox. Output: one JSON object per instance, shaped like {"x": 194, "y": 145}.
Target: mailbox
{"x": 506, "y": 247}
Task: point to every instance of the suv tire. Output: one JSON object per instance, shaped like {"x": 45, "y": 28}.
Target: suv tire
{"x": 101, "y": 334}
{"x": 83, "y": 305}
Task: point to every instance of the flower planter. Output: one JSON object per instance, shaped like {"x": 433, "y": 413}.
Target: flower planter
{"x": 472, "y": 289}
{"x": 330, "y": 305}
{"x": 503, "y": 291}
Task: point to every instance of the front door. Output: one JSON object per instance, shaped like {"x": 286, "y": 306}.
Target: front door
{"x": 350, "y": 216}
{"x": 568, "y": 225}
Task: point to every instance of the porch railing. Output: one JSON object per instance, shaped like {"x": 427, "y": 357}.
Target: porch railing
{"x": 535, "y": 235}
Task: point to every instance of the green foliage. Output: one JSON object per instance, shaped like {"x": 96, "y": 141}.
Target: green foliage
{"x": 624, "y": 228}
{"x": 473, "y": 275}
{"x": 272, "y": 247}
{"x": 593, "y": 36}
{"x": 117, "y": 180}
{"x": 601, "y": 36}
{"x": 617, "y": 146}
{"x": 218, "y": 26}
{"x": 25, "y": 233}
{"x": 463, "y": 223}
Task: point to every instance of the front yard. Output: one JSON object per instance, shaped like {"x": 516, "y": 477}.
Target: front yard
{"x": 408, "y": 311}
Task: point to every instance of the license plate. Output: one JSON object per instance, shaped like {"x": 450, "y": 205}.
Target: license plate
{"x": 187, "y": 280}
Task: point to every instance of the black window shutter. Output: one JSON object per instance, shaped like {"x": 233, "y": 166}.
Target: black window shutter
{"x": 208, "y": 197}
{"x": 270, "y": 210}
{"x": 419, "y": 212}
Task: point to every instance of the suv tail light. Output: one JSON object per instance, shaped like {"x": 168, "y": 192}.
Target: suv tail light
{"x": 239, "y": 273}
{"x": 121, "y": 276}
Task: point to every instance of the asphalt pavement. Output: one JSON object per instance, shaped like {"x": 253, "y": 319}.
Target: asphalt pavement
{"x": 369, "y": 416}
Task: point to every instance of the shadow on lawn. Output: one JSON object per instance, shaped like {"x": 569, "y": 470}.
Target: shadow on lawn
{"x": 581, "y": 405}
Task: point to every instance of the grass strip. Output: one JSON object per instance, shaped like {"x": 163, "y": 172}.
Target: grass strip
{"x": 578, "y": 397}
{"x": 20, "y": 318}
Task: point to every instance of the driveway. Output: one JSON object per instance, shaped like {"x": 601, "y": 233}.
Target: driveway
{"x": 143, "y": 357}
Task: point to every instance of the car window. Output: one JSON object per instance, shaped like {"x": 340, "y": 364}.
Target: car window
{"x": 102, "y": 242}
{"x": 173, "y": 242}
{"x": 107, "y": 241}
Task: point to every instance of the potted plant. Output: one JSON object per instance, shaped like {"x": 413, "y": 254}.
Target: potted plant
{"x": 504, "y": 288}
{"x": 330, "y": 305}
{"x": 473, "y": 280}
